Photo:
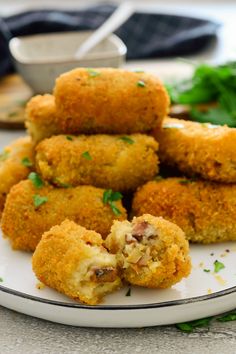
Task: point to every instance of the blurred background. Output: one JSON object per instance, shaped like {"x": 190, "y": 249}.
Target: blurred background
{"x": 152, "y": 46}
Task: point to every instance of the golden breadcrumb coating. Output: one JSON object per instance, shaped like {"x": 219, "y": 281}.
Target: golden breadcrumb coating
{"x": 72, "y": 260}
{"x": 13, "y": 165}
{"x": 199, "y": 149}
{"x": 41, "y": 117}
{"x": 24, "y": 223}
{"x": 151, "y": 251}
{"x": 107, "y": 100}
{"x": 121, "y": 163}
{"x": 205, "y": 211}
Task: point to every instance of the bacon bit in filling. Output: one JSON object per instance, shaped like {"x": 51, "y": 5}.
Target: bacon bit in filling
{"x": 101, "y": 275}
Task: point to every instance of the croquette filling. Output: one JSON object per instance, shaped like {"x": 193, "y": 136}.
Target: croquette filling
{"x": 139, "y": 248}
{"x": 96, "y": 275}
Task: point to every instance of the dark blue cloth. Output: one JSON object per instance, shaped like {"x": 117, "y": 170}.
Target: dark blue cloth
{"x": 145, "y": 35}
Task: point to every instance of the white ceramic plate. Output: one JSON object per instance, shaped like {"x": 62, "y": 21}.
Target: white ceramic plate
{"x": 202, "y": 294}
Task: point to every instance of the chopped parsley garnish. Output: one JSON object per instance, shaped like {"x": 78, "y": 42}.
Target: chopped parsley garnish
{"x": 127, "y": 139}
{"x": 218, "y": 266}
{"x": 68, "y": 137}
{"x": 35, "y": 179}
{"x": 39, "y": 200}
{"x": 4, "y": 155}
{"x": 185, "y": 181}
{"x": 93, "y": 73}
{"x": 128, "y": 292}
{"x": 61, "y": 184}
{"x": 86, "y": 155}
{"x": 141, "y": 83}
{"x": 189, "y": 326}
{"x": 226, "y": 318}
{"x": 26, "y": 162}
{"x": 1, "y": 280}
{"x": 109, "y": 197}
{"x": 206, "y": 270}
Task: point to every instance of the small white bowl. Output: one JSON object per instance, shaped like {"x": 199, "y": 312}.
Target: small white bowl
{"x": 40, "y": 59}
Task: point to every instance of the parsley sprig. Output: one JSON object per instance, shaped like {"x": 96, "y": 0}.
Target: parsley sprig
{"x": 209, "y": 84}
{"x": 127, "y": 139}
{"x": 109, "y": 197}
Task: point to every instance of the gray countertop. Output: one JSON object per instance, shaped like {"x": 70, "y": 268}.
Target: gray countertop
{"x": 23, "y": 334}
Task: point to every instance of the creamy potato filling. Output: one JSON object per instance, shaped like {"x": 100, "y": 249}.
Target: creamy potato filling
{"x": 96, "y": 274}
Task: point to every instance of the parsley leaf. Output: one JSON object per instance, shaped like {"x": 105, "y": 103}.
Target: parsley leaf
{"x": 209, "y": 84}
{"x": 93, "y": 73}
{"x": 86, "y": 155}
{"x": 36, "y": 180}
{"x": 141, "y": 83}
{"x": 4, "y": 155}
{"x": 189, "y": 326}
{"x": 109, "y": 197}
{"x": 68, "y": 137}
{"x": 127, "y": 139}
{"x": 226, "y": 318}
{"x": 39, "y": 200}
{"x": 206, "y": 270}
{"x": 1, "y": 280}
{"x": 218, "y": 266}
{"x": 26, "y": 162}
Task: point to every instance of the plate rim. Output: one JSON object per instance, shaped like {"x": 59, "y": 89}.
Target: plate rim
{"x": 170, "y": 303}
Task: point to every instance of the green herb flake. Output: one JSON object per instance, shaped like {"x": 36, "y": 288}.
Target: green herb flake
{"x": 206, "y": 270}
{"x": 1, "y": 280}
{"x": 39, "y": 200}
{"x": 185, "y": 181}
{"x": 127, "y": 139}
{"x": 218, "y": 266}
{"x": 109, "y": 197}
{"x": 4, "y": 155}
{"x": 93, "y": 73}
{"x": 226, "y": 318}
{"x": 36, "y": 180}
{"x": 189, "y": 326}
{"x": 26, "y": 162}
{"x": 86, "y": 155}
{"x": 128, "y": 292}
{"x": 68, "y": 137}
{"x": 158, "y": 178}
{"x": 61, "y": 184}
{"x": 141, "y": 83}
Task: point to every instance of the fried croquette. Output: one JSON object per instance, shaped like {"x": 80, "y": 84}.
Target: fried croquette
{"x": 152, "y": 252}
{"x": 16, "y": 161}
{"x": 198, "y": 149}
{"x": 204, "y": 210}
{"x": 72, "y": 260}
{"x": 121, "y": 163}
{"x": 111, "y": 101}
{"x": 30, "y": 211}
{"x": 41, "y": 117}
